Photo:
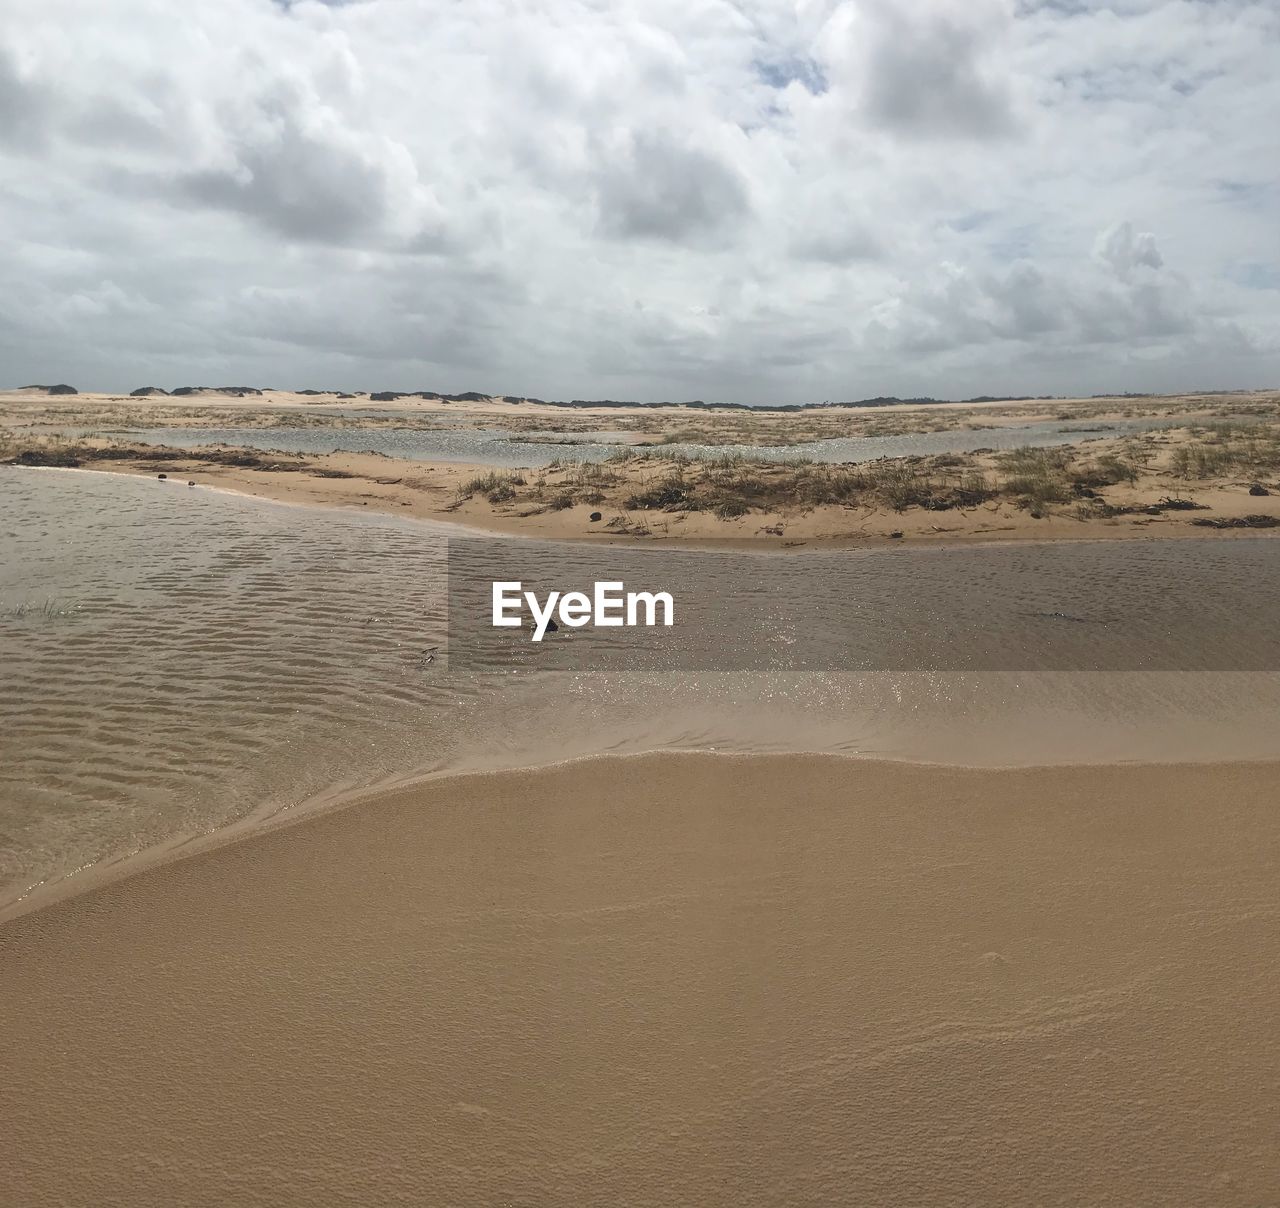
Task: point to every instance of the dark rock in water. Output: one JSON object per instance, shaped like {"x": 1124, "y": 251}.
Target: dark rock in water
{"x": 191, "y": 482}
{"x": 63, "y": 388}
{"x": 1258, "y": 489}
{"x": 896, "y": 535}
{"x": 162, "y": 475}
{"x": 145, "y": 391}
{"x": 595, "y": 516}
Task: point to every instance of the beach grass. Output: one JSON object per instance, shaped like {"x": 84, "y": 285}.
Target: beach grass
{"x": 1228, "y": 447}
{"x": 50, "y": 609}
{"x": 495, "y": 486}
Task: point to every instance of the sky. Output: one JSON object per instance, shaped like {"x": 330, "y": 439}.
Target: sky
{"x": 747, "y": 201}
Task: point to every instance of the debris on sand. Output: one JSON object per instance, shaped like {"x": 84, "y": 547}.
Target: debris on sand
{"x": 1253, "y": 521}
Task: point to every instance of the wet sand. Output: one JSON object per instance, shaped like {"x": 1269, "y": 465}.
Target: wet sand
{"x": 674, "y": 979}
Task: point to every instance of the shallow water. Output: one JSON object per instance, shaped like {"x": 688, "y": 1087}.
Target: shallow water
{"x": 174, "y": 659}
{"x": 490, "y": 446}
{"x": 500, "y": 447}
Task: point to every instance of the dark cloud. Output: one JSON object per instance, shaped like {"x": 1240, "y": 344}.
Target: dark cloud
{"x": 658, "y": 188}
{"x": 838, "y": 238}
{"x": 927, "y": 75}
{"x": 378, "y": 317}
{"x": 296, "y": 178}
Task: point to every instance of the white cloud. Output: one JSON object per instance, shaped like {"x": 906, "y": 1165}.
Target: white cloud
{"x": 1126, "y": 252}
{"x": 761, "y": 201}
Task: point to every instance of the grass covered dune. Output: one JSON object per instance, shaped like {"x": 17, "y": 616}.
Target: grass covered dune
{"x": 1210, "y": 476}
{"x": 722, "y": 980}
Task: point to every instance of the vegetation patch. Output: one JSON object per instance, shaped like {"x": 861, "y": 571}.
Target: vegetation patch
{"x": 496, "y": 487}
{"x": 1237, "y": 522}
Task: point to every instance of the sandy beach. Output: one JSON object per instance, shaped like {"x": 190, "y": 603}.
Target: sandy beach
{"x": 675, "y": 979}
{"x": 644, "y": 979}
{"x": 640, "y": 606}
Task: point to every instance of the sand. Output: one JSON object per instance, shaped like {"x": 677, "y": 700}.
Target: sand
{"x": 675, "y": 979}
{"x": 554, "y": 502}
{"x": 430, "y": 489}
{"x": 497, "y": 405}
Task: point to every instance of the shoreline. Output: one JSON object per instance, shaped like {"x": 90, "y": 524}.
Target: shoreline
{"x": 1209, "y": 467}
{"x": 568, "y": 986}
{"x": 297, "y": 489}
{"x": 265, "y": 813}
{"x": 268, "y": 817}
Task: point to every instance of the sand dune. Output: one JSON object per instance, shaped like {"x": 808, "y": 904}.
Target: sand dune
{"x": 687, "y": 979}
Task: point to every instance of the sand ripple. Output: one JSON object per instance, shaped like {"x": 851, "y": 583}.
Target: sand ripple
{"x": 175, "y": 659}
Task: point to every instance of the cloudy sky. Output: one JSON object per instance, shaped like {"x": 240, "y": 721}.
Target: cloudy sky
{"x": 734, "y": 200}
